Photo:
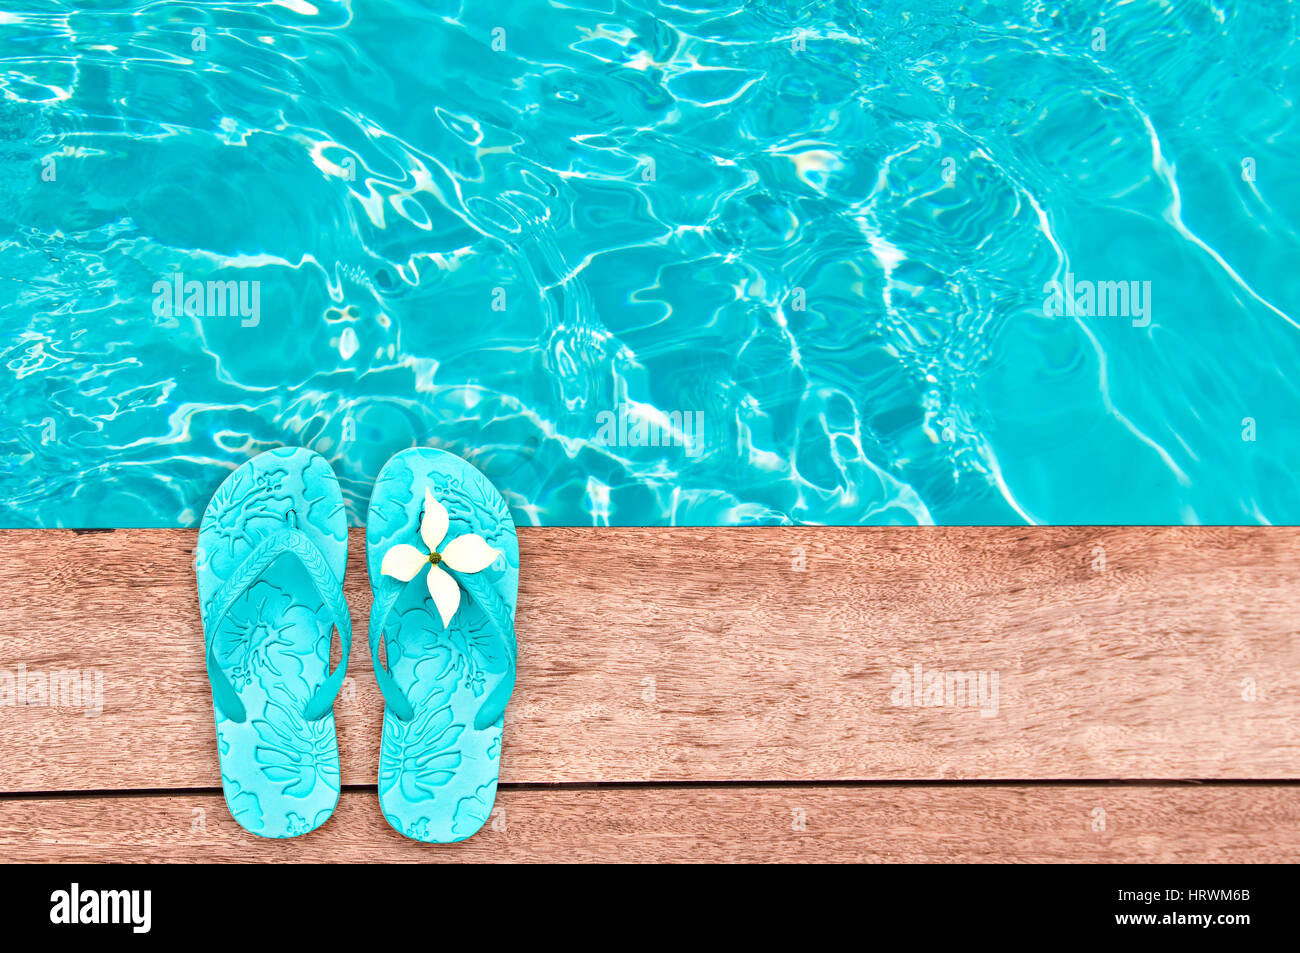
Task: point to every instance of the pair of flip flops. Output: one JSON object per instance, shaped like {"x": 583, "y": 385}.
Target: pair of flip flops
{"x": 443, "y": 562}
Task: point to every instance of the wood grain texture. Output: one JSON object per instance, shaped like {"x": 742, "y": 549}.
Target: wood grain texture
{"x": 945, "y": 824}
{"x": 743, "y": 654}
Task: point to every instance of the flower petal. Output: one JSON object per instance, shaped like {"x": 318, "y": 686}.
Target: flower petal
{"x": 469, "y": 553}
{"x": 445, "y": 592}
{"x": 402, "y": 562}
{"x": 433, "y": 528}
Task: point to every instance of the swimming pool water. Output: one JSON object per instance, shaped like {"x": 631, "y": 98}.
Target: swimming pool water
{"x": 646, "y": 263}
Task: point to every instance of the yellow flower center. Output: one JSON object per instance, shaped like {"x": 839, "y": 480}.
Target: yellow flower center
{"x": 435, "y": 558}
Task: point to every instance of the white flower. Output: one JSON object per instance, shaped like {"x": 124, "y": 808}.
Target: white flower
{"x": 468, "y": 553}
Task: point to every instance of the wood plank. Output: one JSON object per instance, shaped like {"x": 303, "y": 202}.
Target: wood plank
{"x": 909, "y": 823}
{"x": 742, "y": 654}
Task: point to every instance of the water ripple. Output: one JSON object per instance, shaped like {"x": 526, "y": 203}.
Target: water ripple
{"x": 553, "y": 239}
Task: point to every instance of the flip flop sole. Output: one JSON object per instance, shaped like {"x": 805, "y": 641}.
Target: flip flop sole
{"x": 279, "y": 771}
{"x": 437, "y": 771}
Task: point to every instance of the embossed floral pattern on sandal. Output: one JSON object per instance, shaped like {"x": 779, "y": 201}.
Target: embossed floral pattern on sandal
{"x": 448, "y": 640}
{"x": 269, "y": 565}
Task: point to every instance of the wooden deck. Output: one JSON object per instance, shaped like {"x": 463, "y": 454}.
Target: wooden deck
{"x": 705, "y": 694}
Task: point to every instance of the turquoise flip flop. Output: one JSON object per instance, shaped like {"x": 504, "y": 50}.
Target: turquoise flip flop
{"x": 272, "y": 549}
{"x": 444, "y": 566}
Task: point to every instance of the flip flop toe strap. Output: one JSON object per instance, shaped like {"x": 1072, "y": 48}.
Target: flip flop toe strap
{"x": 485, "y": 593}
{"x": 380, "y": 610}
{"x": 274, "y": 545}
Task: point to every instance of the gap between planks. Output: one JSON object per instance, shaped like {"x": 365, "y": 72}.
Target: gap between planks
{"x": 1034, "y": 824}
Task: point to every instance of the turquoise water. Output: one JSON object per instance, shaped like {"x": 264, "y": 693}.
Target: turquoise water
{"x": 657, "y": 263}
